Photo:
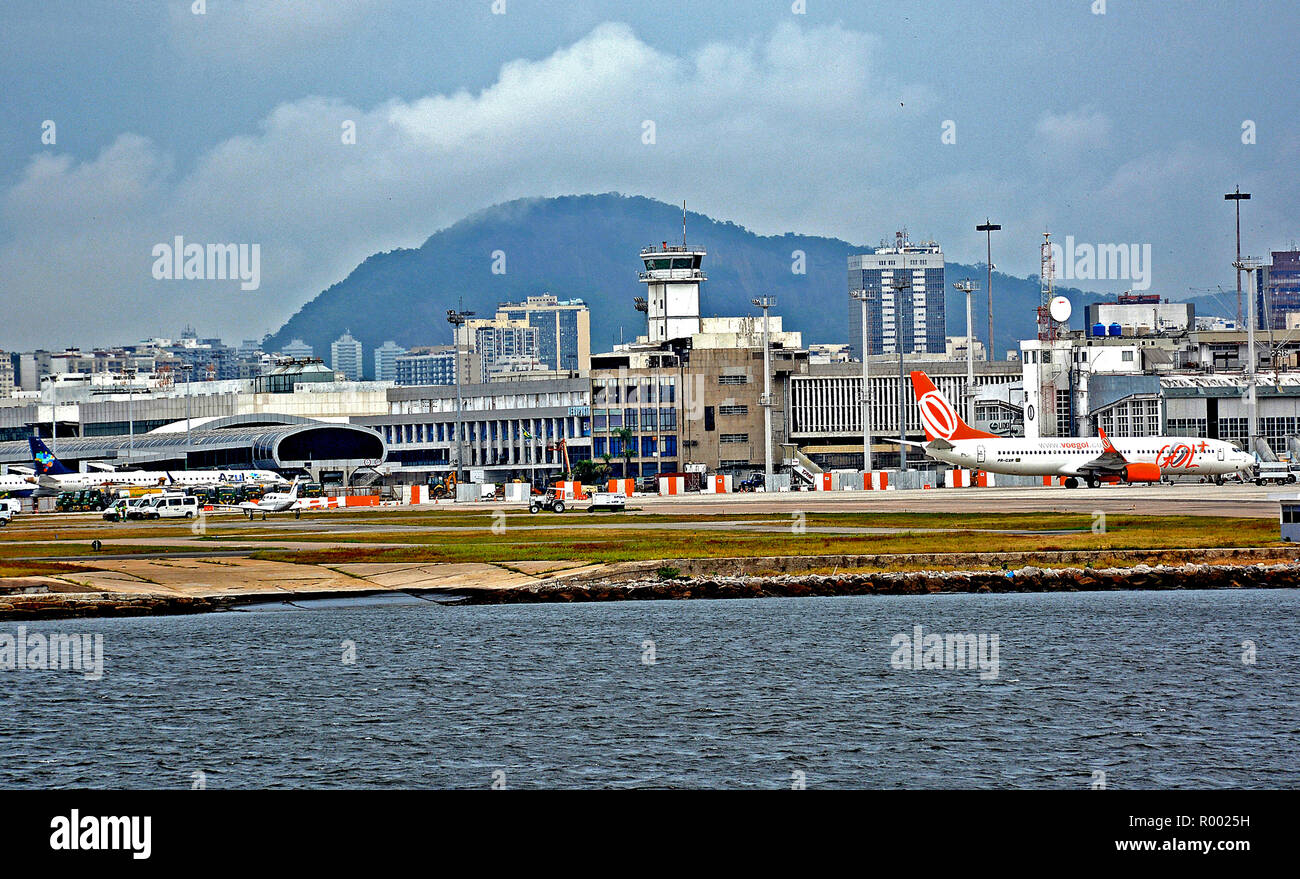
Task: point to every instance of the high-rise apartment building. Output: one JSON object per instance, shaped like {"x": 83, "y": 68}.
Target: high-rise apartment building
{"x": 563, "y": 329}
{"x": 904, "y": 284}
{"x": 345, "y": 356}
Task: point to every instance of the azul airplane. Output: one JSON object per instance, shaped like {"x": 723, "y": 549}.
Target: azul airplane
{"x": 53, "y": 474}
{"x": 1090, "y": 460}
{"x": 15, "y": 484}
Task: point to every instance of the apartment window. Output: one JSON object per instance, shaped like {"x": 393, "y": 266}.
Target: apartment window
{"x": 733, "y": 379}
{"x": 733, "y": 410}
{"x": 733, "y": 438}
{"x": 1126, "y": 356}
{"x": 733, "y": 463}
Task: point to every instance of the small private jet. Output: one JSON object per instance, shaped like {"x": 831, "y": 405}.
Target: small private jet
{"x": 272, "y": 502}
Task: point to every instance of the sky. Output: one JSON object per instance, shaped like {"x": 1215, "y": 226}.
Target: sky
{"x": 127, "y": 123}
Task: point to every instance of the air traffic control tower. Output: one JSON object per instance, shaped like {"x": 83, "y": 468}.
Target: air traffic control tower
{"x": 672, "y": 277}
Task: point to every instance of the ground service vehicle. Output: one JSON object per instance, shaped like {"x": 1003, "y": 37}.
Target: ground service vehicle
{"x": 550, "y": 501}
{"x": 1273, "y": 471}
{"x": 84, "y": 500}
{"x": 116, "y": 511}
{"x": 615, "y": 502}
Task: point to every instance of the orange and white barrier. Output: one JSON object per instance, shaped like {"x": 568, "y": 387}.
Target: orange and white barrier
{"x": 570, "y": 491}
{"x": 959, "y": 478}
{"x": 718, "y": 483}
{"x": 875, "y": 480}
{"x": 325, "y": 503}
{"x": 824, "y": 481}
{"x": 624, "y": 487}
{"x": 672, "y": 485}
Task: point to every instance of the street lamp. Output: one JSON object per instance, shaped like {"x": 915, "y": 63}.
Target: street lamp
{"x": 457, "y": 320}
{"x": 1237, "y": 197}
{"x": 988, "y": 229}
{"x": 968, "y": 286}
{"x": 862, "y": 296}
{"x": 1250, "y": 265}
{"x": 765, "y": 303}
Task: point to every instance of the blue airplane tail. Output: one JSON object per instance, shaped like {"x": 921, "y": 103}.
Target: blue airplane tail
{"x": 43, "y": 458}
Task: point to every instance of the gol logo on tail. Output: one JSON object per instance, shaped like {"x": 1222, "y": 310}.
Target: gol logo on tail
{"x": 937, "y": 414}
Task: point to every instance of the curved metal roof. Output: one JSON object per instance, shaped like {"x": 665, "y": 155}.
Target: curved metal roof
{"x": 270, "y": 446}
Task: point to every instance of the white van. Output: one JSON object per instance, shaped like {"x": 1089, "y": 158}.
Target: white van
{"x": 165, "y": 506}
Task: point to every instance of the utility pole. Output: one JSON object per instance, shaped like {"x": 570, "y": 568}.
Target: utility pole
{"x": 1250, "y": 265}
{"x": 1237, "y": 197}
{"x": 862, "y": 296}
{"x": 765, "y": 303}
{"x": 130, "y": 411}
{"x": 457, "y": 320}
{"x": 988, "y": 229}
{"x": 188, "y": 369}
{"x": 968, "y": 286}
{"x": 902, "y": 281}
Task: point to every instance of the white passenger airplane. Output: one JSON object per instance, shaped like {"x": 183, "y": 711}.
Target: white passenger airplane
{"x": 17, "y": 484}
{"x": 1090, "y": 460}
{"x": 53, "y": 474}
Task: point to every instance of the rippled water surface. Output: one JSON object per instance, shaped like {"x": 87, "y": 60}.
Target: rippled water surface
{"x": 1149, "y": 688}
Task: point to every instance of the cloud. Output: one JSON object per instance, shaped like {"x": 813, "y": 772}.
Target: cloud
{"x": 799, "y": 130}
{"x": 727, "y": 120}
{"x": 1075, "y": 130}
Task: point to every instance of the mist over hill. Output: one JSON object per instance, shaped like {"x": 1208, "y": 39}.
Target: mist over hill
{"x": 587, "y": 247}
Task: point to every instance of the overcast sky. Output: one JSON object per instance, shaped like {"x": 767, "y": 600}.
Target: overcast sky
{"x": 228, "y": 127}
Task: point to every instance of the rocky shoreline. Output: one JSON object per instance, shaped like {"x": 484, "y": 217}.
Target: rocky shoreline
{"x": 1282, "y": 575}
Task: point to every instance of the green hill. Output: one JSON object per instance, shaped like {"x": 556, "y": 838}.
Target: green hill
{"x": 587, "y": 247}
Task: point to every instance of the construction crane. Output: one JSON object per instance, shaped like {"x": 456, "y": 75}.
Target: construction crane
{"x": 563, "y": 448}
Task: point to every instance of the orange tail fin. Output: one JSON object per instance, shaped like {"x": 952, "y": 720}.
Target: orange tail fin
{"x": 938, "y": 417}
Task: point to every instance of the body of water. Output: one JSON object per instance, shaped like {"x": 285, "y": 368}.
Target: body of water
{"x": 1136, "y": 689}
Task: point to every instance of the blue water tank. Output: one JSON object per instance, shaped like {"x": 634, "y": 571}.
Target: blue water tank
{"x": 1116, "y": 330}
{"x": 1099, "y": 329}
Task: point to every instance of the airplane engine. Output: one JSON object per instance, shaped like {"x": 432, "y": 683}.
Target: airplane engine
{"x": 1142, "y": 471}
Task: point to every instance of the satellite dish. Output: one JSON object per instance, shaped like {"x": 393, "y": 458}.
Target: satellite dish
{"x": 1059, "y": 309}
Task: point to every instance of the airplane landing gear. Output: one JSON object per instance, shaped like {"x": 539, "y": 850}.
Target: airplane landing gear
{"x": 1071, "y": 482}
{"x": 297, "y": 514}
{"x": 1093, "y": 482}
